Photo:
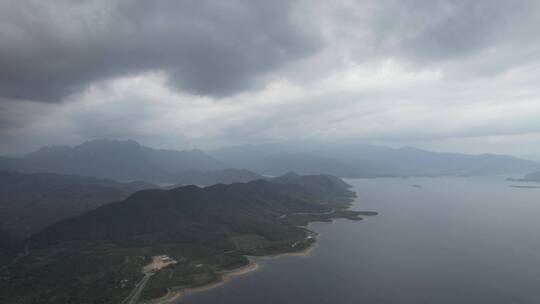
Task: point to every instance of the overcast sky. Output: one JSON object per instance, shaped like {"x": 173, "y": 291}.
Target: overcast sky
{"x": 446, "y": 75}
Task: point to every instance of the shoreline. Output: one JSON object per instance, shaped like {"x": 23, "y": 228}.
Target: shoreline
{"x": 227, "y": 275}
{"x": 176, "y": 293}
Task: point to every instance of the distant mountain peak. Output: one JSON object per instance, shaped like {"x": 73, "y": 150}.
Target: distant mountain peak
{"x": 291, "y": 174}
{"x": 110, "y": 143}
{"x": 352, "y": 159}
{"x": 124, "y": 160}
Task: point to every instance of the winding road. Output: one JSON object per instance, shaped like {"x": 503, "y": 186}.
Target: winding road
{"x": 133, "y": 297}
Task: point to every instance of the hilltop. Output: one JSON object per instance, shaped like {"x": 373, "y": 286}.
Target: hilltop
{"x": 112, "y": 159}
{"x": 208, "y": 230}
{"x": 30, "y": 202}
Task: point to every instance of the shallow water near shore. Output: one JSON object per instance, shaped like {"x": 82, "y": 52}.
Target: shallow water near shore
{"x": 436, "y": 240}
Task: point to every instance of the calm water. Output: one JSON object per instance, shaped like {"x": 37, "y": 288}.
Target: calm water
{"x": 454, "y": 240}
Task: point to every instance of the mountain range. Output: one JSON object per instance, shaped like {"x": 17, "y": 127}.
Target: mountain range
{"x": 30, "y": 202}
{"x": 155, "y": 215}
{"x": 207, "y": 178}
{"x": 97, "y": 256}
{"x": 128, "y": 161}
{"x": 350, "y": 159}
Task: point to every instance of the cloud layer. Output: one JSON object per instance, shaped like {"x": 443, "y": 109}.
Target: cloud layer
{"x": 53, "y": 49}
{"x": 443, "y": 74}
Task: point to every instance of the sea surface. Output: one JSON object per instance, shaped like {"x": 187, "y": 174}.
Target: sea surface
{"x": 455, "y": 240}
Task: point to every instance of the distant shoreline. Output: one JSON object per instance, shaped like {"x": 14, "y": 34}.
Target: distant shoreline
{"x": 525, "y": 186}
{"x": 174, "y": 295}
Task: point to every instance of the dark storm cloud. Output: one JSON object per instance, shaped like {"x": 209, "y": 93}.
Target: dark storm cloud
{"x": 50, "y": 49}
{"x": 384, "y": 70}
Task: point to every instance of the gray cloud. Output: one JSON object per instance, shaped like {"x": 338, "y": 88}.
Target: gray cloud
{"x": 435, "y": 32}
{"x": 422, "y": 72}
{"x": 52, "y": 49}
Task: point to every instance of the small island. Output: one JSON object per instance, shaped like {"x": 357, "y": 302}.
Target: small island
{"x": 198, "y": 238}
{"x": 531, "y": 177}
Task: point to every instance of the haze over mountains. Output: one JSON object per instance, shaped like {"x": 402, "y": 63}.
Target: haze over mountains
{"x": 207, "y": 178}
{"x": 531, "y": 177}
{"x": 114, "y": 159}
{"x": 349, "y": 159}
{"x": 128, "y": 160}
{"x": 30, "y": 202}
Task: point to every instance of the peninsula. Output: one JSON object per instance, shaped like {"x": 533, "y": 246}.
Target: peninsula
{"x": 209, "y": 233}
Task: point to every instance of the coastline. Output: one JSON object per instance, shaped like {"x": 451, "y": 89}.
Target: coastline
{"x": 174, "y": 295}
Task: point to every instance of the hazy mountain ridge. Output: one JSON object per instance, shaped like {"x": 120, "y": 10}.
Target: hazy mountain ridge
{"x": 349, "y": 159}
{"x": 128, "y": 160}
{"x": 323, "y": 186}
{"x": 30, "y": 202}
{"x": 531, "y": 177}
{"x": 119, "y": 160}
{"x": 207, "y": 178}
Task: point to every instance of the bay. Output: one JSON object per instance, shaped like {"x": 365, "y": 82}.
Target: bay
{"x": 436, "y": 240}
